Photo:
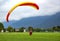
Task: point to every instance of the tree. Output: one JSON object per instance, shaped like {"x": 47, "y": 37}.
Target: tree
{"x": 54, "y": 28}
{"x": 50, "y": 30}
{"x": 58, "y": 28}
{"x": 30, "y": 28}
{"x": 37, "y": 29}
{"x": 43, "y": 30}
{"x": 21, "y": 29}
{"x": 10, "y": 29}
{"x": 1, "y": 27}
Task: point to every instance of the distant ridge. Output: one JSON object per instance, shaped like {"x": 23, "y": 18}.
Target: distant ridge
{"x": 39, "y": 21}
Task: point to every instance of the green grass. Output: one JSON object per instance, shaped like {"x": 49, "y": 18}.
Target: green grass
{"x": 41, "y": 36}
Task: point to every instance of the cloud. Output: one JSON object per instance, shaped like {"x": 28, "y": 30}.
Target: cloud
{"x": 47, "y": 7}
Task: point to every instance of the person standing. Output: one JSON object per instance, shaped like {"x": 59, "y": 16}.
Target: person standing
{"x": 30, "y": 32}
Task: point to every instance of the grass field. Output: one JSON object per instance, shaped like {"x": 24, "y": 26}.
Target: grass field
{"x": 41, "y": 36}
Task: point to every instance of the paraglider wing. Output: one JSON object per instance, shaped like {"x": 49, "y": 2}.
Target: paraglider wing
{"x": 34, "y": 5}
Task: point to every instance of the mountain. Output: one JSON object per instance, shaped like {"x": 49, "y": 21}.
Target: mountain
{"x": 39, "y": 21}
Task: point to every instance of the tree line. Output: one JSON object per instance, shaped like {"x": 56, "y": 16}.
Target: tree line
{"x": 21, "y": 29}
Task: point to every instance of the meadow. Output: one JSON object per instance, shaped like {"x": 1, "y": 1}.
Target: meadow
{"x": 36, "y": 36}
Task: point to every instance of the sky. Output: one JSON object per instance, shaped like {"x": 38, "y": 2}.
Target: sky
{"x": 46, "y": 8}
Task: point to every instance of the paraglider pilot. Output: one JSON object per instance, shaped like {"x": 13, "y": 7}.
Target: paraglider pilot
{"x": 30, "y": 31}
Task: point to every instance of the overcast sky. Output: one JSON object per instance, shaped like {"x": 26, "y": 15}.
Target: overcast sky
{"x": 47, "y": 7}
